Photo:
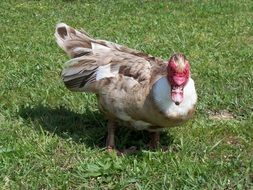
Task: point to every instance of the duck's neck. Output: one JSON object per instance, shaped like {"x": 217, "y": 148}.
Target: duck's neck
{"x": 161, "y": 93}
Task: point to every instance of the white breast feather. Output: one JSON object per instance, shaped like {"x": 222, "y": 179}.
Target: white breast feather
{"x": 162, "y": 97}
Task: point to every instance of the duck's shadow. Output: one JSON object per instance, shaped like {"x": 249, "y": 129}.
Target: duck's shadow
{"x": 88, "y": 128}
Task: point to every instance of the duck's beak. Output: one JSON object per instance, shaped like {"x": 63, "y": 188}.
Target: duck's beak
{"x": 177, "y": 94}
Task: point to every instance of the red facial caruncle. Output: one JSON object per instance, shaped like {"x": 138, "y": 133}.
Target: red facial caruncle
{"x": 178, "y": 75}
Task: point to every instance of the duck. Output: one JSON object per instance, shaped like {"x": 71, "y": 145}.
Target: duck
{"x": 133, "y": 89}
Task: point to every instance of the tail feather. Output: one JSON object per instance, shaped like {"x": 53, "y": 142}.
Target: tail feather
{"x": 78, "y": 43}
{"x": 73, "y": 42}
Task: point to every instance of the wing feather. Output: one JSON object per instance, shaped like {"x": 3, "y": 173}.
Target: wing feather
{"x": 95, "y": 61}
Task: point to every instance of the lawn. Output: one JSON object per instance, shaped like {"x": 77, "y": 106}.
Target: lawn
{"x": 51, "y": 138}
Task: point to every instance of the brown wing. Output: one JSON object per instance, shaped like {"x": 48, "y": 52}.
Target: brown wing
{"x": 88, "y": 73}
{"x": 96, "y": 62}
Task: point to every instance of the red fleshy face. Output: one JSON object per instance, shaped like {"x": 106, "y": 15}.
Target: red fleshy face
{"x": 178, "y": 76}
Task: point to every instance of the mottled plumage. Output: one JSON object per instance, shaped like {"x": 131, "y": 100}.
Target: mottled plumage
{"x": 131, "y": 86}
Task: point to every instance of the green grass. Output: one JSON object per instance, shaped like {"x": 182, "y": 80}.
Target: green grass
{"x": 51, "y": 138}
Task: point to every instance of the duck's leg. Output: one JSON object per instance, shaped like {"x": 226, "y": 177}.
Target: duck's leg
{"x": 154, "y": 141}
{"x": 110, "y": 141}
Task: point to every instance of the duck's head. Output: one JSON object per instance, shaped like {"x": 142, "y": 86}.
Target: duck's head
{"x": 178, "y": 75}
